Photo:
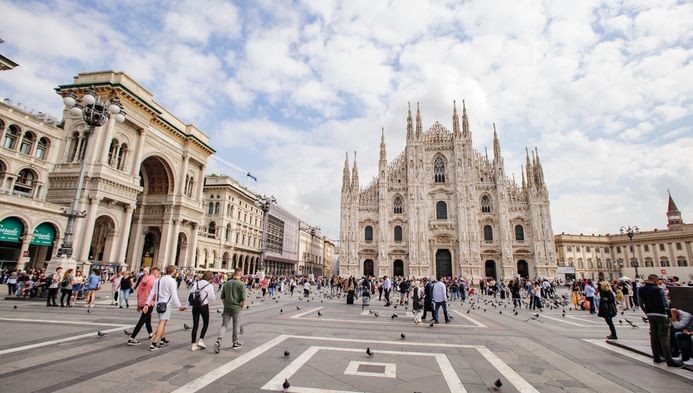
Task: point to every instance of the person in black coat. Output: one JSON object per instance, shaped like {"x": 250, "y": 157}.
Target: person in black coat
{"x": 607, "y": 308}
{"x": 428, "y": 298}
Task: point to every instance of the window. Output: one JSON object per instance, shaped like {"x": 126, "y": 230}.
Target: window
{"x": 678, "y": 246}
{"x": 397, "y": 205}
{"x": 11, "y": 137}
{"x": 112, "y": 151}
{"x": 216, "y": 208}
{"x": 647, "y": 247}
{"x": 488, "y": 233}
{"x": 210, "y": 210}
{"x": 122, "y": 156}
{"x": 42, "y": 148}
{"x": 580, "y": 264}
{"x": 664, "y": 262}
{"x": 398, "y": 233}
{"x": 618, "y": 249}
{"x": 24, "y": 185}
{"x": 589, "y": 263}
{"x": 569, "y": 248}
{"x": 368, "y": 233}
{"x": 631, "y": 249}
{"x": 519, "y": 233}
{"x": 228, "y": 232}
{"x": 441, "y": 210}
{"x": 439, "y": 170}
{"x": 212, "y": 229}
{"x": 649, "y": 262}
{"x": 599, "y": 263}
{"x": 607, "y": 250}
{"x": 588, "y": 248}
{"x": 74, "y": 144}
{"x": 577, "y": 248}
{"x": 27, "y": 143}
{"x": 485, "y": 204}
{"x": 609, "y": 265}
{"x": 681, "y": 262}
{"x": 661, "y": 247}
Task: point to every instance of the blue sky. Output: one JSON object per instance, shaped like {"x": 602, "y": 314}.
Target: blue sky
{"x": 603, "y": 88}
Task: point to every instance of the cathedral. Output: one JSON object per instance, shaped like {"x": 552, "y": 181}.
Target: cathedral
{"x": 443, "y": 209}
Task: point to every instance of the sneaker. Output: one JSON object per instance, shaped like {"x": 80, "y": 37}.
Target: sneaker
{"x": 674, "y": 363}
{"x": 132, "y": 341}
{"x": 688, "y": 362}
{"x": 611, "y": 338}
{"x": 153, "y": 347}
{"x": 151, "y": 335}
{"x": 676, "y": 358}
{"x": 236, "y": 345}
{"x": 217, "y": 346}
{"x": 201, "y": 344}
{"x": 194, "y": 347}
{"x": 164, "y": 341}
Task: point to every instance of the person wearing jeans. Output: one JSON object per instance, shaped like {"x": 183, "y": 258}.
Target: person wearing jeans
{"x": 206, "y": 291}
{"x": 126, "y": 285}
{"x": 440, "y": 300}
{"x": 233, "y": 295}
{"x": 143, "y": 289}
{"x": 589, "y": 294}
{"x": 653, "y": 302}
{"x": 53, "y": 287}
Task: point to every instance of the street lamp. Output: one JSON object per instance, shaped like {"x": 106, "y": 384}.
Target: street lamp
{"x": 265, "y": 203}
{"x": 630, "y": 231}
{"x": 95, "y": 113}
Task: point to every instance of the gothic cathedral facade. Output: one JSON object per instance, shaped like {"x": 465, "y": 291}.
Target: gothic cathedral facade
{"x": 443, "y": 209}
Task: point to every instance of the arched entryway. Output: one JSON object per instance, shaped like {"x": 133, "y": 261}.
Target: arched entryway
{"x": 368, "y": 268}
{"x": 398, "y": 268}
{"x": 443, "y": 264}
{"x": 523, "y": 268}
{"x": 150, "y": 249}
{"x": 490, "y": 269}
{"x": 102, "y": 245}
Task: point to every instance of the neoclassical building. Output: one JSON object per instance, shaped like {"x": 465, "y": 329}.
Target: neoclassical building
{"x": 441, "y": 208}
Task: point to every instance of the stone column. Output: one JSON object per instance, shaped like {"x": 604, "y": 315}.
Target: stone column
{"x": 192, "y": 244}
{"x": 85, "y": 235}
{"x": 104, "y": 144}
{"x": 201, "y": 184}
{"x": 164, "y": 246}
{"x": 125, "y": 233}
{"x": 183, "y": 173}
{"x": 173, "y": 248}
{"x": 139, "y": 151}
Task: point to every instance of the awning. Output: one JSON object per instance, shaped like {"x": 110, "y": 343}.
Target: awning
{"x": 11, "y": 230}
{"x": 44, "y": 235}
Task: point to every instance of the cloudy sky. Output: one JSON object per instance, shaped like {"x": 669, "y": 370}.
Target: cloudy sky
{"x": 604, "y": 89}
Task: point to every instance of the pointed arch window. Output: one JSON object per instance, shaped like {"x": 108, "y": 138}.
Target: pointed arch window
{"x": 485, "y": 204}
{"x": 397, "y": 205}
{"x": 398, "y": 233}
{"x": 439, "y": 170}
{"x": 441, "y": 210}
{"x": 210, "y": 210}
{"x": 519, "y": 233}
{"x": 368, "y": 233}
{"x": 488, "y": 233}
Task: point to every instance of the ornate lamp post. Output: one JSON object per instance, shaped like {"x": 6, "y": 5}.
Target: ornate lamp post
{"x": 265, "y": 203}
{"x": 95, "y": 113}
{"x": 630, "y": 232}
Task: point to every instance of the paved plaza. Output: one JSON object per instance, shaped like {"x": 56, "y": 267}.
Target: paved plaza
{"x": 54, "y": 349}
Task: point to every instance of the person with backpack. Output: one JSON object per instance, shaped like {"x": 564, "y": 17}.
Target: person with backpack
{"x": 66, "y": 287}
{"x": 52, "y": 283}
{"x": 201, "y": 294}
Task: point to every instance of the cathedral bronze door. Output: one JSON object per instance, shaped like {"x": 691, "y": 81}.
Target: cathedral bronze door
{"x": 490, "y": 268}
{"x": 443, "y": 263}
{"x": 522, "y": 268}
{"x": 398, "y": 268}
{"x": 368, "y": 267}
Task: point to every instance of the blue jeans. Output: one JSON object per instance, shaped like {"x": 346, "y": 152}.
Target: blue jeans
{"x": 684, "y": 343}
{"x": 445, "y": 311}
{"x": 123, "y": 297}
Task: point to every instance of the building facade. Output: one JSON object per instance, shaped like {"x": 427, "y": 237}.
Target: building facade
{"x": 315, "y": 252}
{"x": 282, "y": 244}
{"x": 660, "y": 251}
{"x": 441, "y": 208}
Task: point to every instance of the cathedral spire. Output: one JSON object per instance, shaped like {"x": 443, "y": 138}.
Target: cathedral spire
{"x": 419, "y": 127}
{"x": 346, "y": 177}
{"x": 674, "y": 217}
{"x": 496, "y": 144}
{"x": 455, "y": 120}
{"x": 410, "y": 125}
{"x": 465, "y": 122}
{"x": 355, "y": 187}
{"x": 524, "y": 184}
{"x": 528, "y": 168}
{"x": 540, "y": 170}
{"x": 383, "y": 153}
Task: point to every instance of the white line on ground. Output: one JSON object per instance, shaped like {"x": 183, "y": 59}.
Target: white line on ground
{"x": 58, "y": 341}
{"x": 276, "y": 382}
{"x": 564, "y": 321}
{"x": 511, "y": 375}
{"x": 201, "y": 382}
{"x": 386, "y": 322}
{"x": 472, "y": 320}
{"x": 299, "y": 315}
{"x": 61, "y": 322}
{"x": 636, "y": 356}
{"x": 577, "y": 318}
{"x": 451, "y": 377}
{"x": 355, "y": 340}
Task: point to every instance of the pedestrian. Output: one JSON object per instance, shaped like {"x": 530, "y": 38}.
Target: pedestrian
{"x": 166, "y": 294}
{"x": 440, "y": 300}
{"x": 77, "y": 282}
{"x": 93, "y": 285}
{"x": 417, "y": 301}
{"x": 12, "y": 284}
{"x": 201, "y": 293}
{"x": 126, "y": 285}
{"x": 115, "y": 287}
{"x": 53, "y": 281}
{"x": 428, "y": 298}
{"x": 387, "y": 286}
{"x": 682, "y": 323}
{"x": 607, "y": 308}
{"x": 653, "y": 302}
{"x": 233, "y": 296}
{"x": 306, "y": 288}
{"x": 144, "y": 287}
{"x": 589, "y": 292}
{"x": 66, "y": 287}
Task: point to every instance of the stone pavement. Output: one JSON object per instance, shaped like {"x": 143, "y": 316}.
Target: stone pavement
{"x": 54, "y": 349}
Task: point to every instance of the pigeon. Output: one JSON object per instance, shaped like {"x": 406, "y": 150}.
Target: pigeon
{"x": 247, "y": 307}
{"x": 286, "y": 385}
{"x": 536, "y": 315}
{"x": 631, "y": 323}
{"x": 623, "y": 312}
{"x": 286, "y": 354}
{"x": 402, "y": 336}
{"x": 88, "y": 310}
{"x": 376, "y": 314}
{"x": 368, "y": 352}
{"x": 319, "y": 314}
{"x": 15, "y": 306}
{"x": 298, "y": 308}
{"x": 394, "y": 316}
{"x": 515, "y": 313}
{"x": 186, "y": 326}
{"x": 468, "y": 311}
{"x": 563, "y": 314}
{"x": 484, "y": 310}
{"x": 241, "y": 329}
{"x": 100, "y": 333}
{"x": 431, "y": 325}
{"x": 127, "y": 332}
{"x": 498, "y": 384}
{"x": 500, "y": 312}
{"x": 281, "y": 310}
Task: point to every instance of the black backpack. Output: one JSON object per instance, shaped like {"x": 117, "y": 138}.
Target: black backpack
{"x": 194, "y": 298}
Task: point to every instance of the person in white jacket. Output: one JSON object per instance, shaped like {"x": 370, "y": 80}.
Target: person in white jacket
{"x": 165, "y": 291}
{"x": 205, "y": 290}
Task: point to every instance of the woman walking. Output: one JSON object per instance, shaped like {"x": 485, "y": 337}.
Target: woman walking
{"x": 201, "y": 293}
{"x": 66, "y": 287}
{"x": 77, "y": 282}
{"x": 126, "y": 285}
{"x": 417, "y": 301}
{"x": 607, "y": 308}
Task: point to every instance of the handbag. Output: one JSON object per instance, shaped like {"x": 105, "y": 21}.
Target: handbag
{"x": 160, "y": 306}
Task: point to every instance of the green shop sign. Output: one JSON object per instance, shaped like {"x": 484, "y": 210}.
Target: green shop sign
{"x": 11, "y": 230}
{"x": 44, "y": 235}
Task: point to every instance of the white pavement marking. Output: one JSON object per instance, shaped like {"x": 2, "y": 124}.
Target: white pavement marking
{"x": 415, "y": 344}
{"x": 58, "y": 341}
{"x": 641, "y": 358}
{"x": 564, "y": 321}
{"x": 201, "y": 382}
{"x": 472, "y": 320}
{"x": 62, "y": 322}
{"x": 511, "y": 375}
{"x": 451, "y": 377}
{"x": 299, "y": 315}
{"x": 581, "y": 319}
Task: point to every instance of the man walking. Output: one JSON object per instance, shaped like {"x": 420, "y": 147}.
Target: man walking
{"x": 52, "y": 283}
{"x": 440, "y": 299}
{"x": 653, "y": 302}
{"x": 233, "y": 296}
{"x": 387, "y": 285}
{"x": 589, "y": 295}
